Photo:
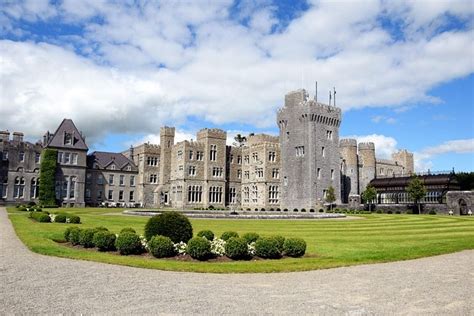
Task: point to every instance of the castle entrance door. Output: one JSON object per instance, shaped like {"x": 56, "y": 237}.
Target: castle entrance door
{"x": 462, "y": 207}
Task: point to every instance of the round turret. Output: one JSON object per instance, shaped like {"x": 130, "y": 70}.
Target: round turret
{"x": 367, "y": 162}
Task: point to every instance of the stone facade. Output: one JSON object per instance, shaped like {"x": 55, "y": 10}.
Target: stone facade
{"x": 309, "y": 140}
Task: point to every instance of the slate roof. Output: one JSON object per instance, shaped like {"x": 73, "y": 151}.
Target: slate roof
{"x": 432, "y": 182}
{"x": 67, "y": 126}
{"x": 104, "y": 159}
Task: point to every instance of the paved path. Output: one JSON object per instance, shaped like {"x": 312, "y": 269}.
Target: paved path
{"x": 36, "y": 284}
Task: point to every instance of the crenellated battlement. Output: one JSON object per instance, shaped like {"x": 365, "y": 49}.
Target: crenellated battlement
{"x": 211, "y": 133}
{"x": 167, "y": 131}
{"x": 262, "y": 138}
{"x": 367, "y": 146}
{"x": 348, "y": 142}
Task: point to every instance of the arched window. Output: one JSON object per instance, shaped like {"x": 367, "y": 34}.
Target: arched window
{"x": 34, "y": 188}
{"x": 19, "y": 187}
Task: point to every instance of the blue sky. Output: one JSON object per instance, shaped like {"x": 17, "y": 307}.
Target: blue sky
{"x": 403, "y": 70}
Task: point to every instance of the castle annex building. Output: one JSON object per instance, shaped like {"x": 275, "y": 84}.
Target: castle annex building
{"x": 291, "y": 171}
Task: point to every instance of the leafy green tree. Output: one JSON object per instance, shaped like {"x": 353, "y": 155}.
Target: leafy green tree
{"x": 47, "y": 176}
{"x": 330, "y": 196}
{"x": 369, "y": 195}
{"x": 465, "y": 180}
{"x": 240, "y": 140}
{"x": 416, "y": 190}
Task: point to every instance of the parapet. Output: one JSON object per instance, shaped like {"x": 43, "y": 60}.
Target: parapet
{"x": 296, "y": 97}
{"x": 348, "y": 142}
{"x": 211, "y": 133}
{"x": 167, "y": 131}
{"x": 367, "y": 146}
{"x": 262, "y": 138}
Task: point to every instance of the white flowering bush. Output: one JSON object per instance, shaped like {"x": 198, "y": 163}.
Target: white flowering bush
{"x": 144, "y": 242}
{"x": 251, "y": 249}
{"x": 180, "y": 248}
{"x": 52, "y": 216}
{"x": 218, "y": 247}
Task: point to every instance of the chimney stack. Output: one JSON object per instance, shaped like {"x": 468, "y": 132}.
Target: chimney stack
{"x": 18, "y": 137}
{"x": 4, "y": 136}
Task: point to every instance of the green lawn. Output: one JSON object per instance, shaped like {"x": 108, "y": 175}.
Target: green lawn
{"x": 331, "y": 243}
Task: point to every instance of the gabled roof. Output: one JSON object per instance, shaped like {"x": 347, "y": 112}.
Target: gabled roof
{"x": 67, "y": 126}
{"x": 104, "y": 159}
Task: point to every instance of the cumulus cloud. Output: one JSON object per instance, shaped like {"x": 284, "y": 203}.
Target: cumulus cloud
{"x": 385, "y": 146}
{"x": 423, "y": 158}
{"x": 134, "y": 68}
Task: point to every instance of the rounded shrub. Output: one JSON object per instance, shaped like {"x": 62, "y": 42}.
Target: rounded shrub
{"x": 74, "y": 219}
{"x": 161, "y": 247}
{"x": 280, "y": 240}
{"x": 432, "y": 212}
{"x": 128, "y": 244}
{"x": 378, "y": 212}
{"x": 75, "y": 236}
{"x": 22, "y": 208}
{"x": 199, "y": 248}
{"x": 209, "y": 235}
{"x": 294, "y": 247}
{"x": 236, "y": 248}
{"x": 40, "y": 217}
{"x": 267, "y": 247}
{"x": 250, "y": 237}
{"x": 31, "y": 203}
{"x": 128, "y": 230}
{"x": 60, "y": 218}
{"x": 68, "y": 231}
{"x": 170, "y": 224}
{"x": 389, "y": 212}
{"x": 229, "y": 234}
{"x": 86, "y": 237}
{"x": 104, "y": 240}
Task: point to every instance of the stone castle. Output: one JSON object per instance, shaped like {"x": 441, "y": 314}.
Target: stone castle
{"x": 291, "y": 171}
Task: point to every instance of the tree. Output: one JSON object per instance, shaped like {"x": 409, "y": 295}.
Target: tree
{"x": 416, "y": 190}
{"x": 240, "y": 140}
{"x": 47, "y": 195}
{"x": 330, "y": 196}
{"x": 369, "y": 195}
{"x": 465, "y": 180}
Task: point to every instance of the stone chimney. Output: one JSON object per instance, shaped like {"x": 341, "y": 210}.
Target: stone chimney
{"x": 4, "y": 136}
{"x": 18, "y": 137}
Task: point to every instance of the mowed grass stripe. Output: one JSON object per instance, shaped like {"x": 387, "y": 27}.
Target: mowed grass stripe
{"x": 331, "y": 243}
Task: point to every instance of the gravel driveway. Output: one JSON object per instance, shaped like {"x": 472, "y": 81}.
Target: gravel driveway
{"x": 34, "y": 284}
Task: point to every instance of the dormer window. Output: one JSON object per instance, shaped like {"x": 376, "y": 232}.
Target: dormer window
{"x": 112, "y": 167}
{"x": 67, "y": 139}
{"x": 129, "y": 168}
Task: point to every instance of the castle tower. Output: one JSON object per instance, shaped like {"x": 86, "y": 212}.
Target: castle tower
{"x": 350, "y": 170}
{"x": 366, "y": 164}
{"x": 310, "y": 158}
{"x": 404, "y": 158}
{"x": 166, "y": 144}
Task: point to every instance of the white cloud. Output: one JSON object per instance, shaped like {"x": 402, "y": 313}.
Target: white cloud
{"x": 385, "y": 146}
{"x": 382, "y": 118}
{"x": 217, "y": 69}
{"x": 423, "y": 158}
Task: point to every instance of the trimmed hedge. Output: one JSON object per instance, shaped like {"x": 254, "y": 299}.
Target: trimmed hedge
{"x": 60, "y": 218}
{"x": 209, "y": 235}
{"x": 268, "y": 248}
{"x": 161, "y": 247}
{"x": 250, "y": 237}
{"x": 69, "y": 231}
{"x": 40, "y": 217}
{"x": 170, "y": 224}
{"x": 86, "y": 237}
{"x": 236, "y": 248}
{"x": 75, "y": 236}
{"x": 199, "y": 248}
{"x": 229, "y": 234}
{"x": 294, "y": 247}
{"x": 104, "y": 240}
{"x": 74, "y": 219}
{"x": 128, "y": 244}
{"x": 128, "y": 230}
{"x": 280, "y": 240}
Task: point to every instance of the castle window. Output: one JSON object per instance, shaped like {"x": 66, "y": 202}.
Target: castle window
{"x": 246, "y": 194}
{"x": 213, "y": 153}
{"x": 131, "y": 196}
{"x": 132, "y": 181}
{"x": 232, "y": 196}
{"x": 37, "y": 157}
{"x": 122, "y": 180}
{"x": 199, "y": 155}
{"x": 120, "y": 195}
{"x": 231, "y": 158}
{"x": 332, "y": 174}
{"x": 271, "y": 156}
{"x": 275, "y": 173}
{"x": 329, "y": 135}
{"x": 111, "y": 179}
{"x": 191, "y": 155}
{"x": 285, "y": 181}
{"x": 254, "y": 194}
{"x": 259, "y": 172}
{"x": 247, "y": 159}
{"x": 5, "y": 155}
{"x": 217, "y": 172}
{"x": 153, "y": 178}
{"x": 34, "y": 188}
{"x": 325, "y": 194}
{"x": 239, "y": 174}
{"x": 67, "y": 139}
{"x": 19, "y": 187}
{"x": 129, "y": 168}
{"x": 180, "y": 154}
{"x": 215, "y": 195}
{"x": 111, "y": 195}
{"x": 319, "y": 173}
{"x": 194, "y": 194}
{"x": 323, "y": 152}
{"x": 299, "y": 151}
{"x": 192, "y": 170}
{"x": 239, "y": 159}
{"x": 74, "y": 159}
{"x": 247, "y": 175}
{"x": 100, "y": 179}
{"x": 99, "y": 195}
{"x": 21, "y": 156}
{"x": 88, "y": 193}
{"x": 72, "y": 188}
{"x": 255, "y": 157}
{"x": 273, "y": 194}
